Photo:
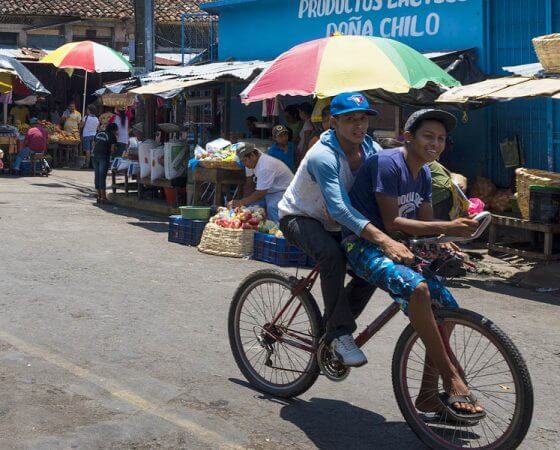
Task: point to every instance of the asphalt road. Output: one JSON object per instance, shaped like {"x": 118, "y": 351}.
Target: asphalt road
{"x": 111, "y": 337}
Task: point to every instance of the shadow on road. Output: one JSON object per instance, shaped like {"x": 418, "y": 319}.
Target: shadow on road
{"x": 334, "y": 424}
{"x": 156, "y": 224}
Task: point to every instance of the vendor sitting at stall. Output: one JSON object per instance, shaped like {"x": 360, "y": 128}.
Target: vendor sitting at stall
{"x": 267, "y": 179}
{"x": 36, "y": 140}
{"x": 283, "y": 149}
{"x": 19, "y": 114}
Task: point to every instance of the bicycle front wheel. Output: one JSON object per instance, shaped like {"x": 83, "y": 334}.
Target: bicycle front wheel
{"x": 494, "y": 371}
{"x": 273, "y": 335}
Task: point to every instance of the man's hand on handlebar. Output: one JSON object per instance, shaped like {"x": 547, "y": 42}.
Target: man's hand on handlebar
{"x": 396, "y": 251}
{"x": 462, "y": 227}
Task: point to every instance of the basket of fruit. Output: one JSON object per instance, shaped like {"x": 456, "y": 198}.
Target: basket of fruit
{"x": 231, "y": 232}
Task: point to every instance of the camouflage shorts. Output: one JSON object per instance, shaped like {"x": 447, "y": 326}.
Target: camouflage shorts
{"x": 371, "y": 264}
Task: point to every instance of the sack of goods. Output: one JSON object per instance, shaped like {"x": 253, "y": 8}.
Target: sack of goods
{"x": 158, "y": 167}
{"x": 175, "y": 159}
{"x": 145, "y": 157}
{"x": 133, "y": 169}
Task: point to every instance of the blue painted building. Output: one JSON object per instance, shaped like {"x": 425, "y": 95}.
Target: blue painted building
{"x": 500, "y": 30}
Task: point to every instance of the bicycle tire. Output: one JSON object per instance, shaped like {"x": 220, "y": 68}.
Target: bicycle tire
{"x": 307, "y": 379}
{"x": 519, "y": 426}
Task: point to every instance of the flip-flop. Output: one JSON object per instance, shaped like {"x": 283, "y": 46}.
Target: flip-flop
{"x": 446, "y": 419}
{"x": 459, "y": 415}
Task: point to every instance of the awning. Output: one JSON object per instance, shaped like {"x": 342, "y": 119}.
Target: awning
{"x": 15, "y": 68}
{"x": 167, "y": 88}
{"x": 503, "y": 89}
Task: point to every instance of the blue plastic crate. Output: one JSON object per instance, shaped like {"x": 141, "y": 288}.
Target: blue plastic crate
{"x": 278, "y": 251}
{"x": 25, "y": 168}
{"x": 185, "y": 231}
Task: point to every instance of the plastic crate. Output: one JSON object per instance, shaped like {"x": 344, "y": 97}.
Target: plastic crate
{"x": 278, "y": 251}
{"x": 185, "y": 231}
{"x": 25, "y": 168}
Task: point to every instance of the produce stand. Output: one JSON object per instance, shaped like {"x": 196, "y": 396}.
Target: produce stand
{"x": 221, "y": 178}
{"x": 526, "y": 250}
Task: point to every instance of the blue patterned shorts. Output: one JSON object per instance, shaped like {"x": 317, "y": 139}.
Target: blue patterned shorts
{"x": 371, "y": 264}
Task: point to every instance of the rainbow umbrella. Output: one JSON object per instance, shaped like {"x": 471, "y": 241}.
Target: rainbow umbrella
{"x": 88, "y": 56}
{"x": 326, "y": 67}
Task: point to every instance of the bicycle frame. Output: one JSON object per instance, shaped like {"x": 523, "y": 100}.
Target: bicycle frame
{"x": 306, "y": 344}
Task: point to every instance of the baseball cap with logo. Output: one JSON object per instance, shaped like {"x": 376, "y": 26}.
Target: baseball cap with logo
{"x": 278, "y": 130}
{"x": 350, "y": 102}
{"x": 448, "y": 120}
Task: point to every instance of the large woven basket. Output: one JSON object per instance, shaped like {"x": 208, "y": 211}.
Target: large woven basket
{"x": 532, "y": 177}
{"x": 236, "y": 243}
{"x": 547, "y": 49}
{"x": 216, "y": 164}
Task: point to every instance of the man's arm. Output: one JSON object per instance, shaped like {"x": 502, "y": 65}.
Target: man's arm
{"x": 390, "y": 214}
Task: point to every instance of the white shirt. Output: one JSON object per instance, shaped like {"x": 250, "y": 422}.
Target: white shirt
{"x": 272, "y": 174}
{"x": 122, "y": 133}
{"x": 90, "y": 126}
{"x": 307, "y": 126}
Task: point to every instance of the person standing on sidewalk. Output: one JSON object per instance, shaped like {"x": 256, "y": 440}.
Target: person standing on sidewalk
{"x": 103, "y": 146}
{"x": 89, "y": 126}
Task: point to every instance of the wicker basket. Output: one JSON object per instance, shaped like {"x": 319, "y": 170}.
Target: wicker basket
{"x": 118, "y": 100}
{"x": 547, "y": 49}
{"x": 237, "y": 243}
{"x": 530, "y": 177}
{"x": 216, "y": 164}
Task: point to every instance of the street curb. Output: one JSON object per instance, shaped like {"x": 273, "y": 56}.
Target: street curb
{"x": 132, "y": 202}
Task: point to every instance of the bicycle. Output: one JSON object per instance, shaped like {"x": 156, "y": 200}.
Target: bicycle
{"x": 275, "y": 332}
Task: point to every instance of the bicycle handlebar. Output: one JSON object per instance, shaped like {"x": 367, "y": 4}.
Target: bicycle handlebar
{"x": 484, "y": 218}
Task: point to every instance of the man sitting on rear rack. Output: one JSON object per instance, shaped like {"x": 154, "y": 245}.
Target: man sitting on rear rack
{"x": 401, "y": 184}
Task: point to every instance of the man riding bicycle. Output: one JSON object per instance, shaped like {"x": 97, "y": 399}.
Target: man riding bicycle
{"x": 315, "y": 205}
{"x": 393, "y": 191}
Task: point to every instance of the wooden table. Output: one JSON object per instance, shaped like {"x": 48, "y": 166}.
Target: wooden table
{"x": 63, "y": 154}
{"x": 127, "y": 185}
{"x": 547, "y": 230}
{"x": 220, "y": 178}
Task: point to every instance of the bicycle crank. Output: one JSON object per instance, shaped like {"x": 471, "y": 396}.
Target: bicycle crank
{"x": 330, "y": 366}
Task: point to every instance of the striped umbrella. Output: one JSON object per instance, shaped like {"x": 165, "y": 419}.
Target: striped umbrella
{"x": 326, "y": 67}
{"x": 88, "y": 56}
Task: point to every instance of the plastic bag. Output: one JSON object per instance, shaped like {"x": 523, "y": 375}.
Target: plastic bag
{"x": 133, "y": 168}
{"x": 145, "y": 158}
{"x": 476, "y": 206}
{"x": 218, "y": 145}
{"x": 175, "y": 159}
{"x": 460, "y": 180}
{"x": 157, "y": 161}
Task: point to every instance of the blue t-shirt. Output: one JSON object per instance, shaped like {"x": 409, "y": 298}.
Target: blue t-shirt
{"x": 287, "y": 158}
{"x": 387, "y": 173}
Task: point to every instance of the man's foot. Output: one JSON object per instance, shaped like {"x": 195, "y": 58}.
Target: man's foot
{"x": 456, "y": 387}
{"x": 347, "y": 351}
{"x": 428, "y": 403}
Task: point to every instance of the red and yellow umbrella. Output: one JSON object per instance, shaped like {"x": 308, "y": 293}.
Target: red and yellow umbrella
{"x": 88, "y": 56}
{"x": 326, "y": 67}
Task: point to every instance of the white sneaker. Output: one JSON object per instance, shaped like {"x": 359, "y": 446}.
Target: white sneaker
{"x": 348, "y": 352}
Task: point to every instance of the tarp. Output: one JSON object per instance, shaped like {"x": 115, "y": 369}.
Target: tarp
{"x": 15, "y": 67}
{"x": 166, "y": 89}
{"x": 460, "y": 64}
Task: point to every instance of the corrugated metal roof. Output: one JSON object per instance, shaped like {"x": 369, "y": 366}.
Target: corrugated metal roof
{"x": 242, "y": 70}
{"x": 165, "y": 86}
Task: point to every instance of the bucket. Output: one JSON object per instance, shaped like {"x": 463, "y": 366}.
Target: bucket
{"x": 544, "y": 204}
{"x": 171, "y": 196}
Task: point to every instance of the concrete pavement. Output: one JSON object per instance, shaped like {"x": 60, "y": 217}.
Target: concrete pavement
{"x": 110, "y": 337}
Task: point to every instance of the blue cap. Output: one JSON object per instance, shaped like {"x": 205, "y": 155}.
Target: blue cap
{"x": 350, "y": 102}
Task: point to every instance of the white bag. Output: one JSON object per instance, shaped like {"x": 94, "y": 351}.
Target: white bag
{"x": 145, "y": 158}
{"x": 124, "y": 164}
{"x": 157, "y": 161}
{"x": 133, "y": 168}
{"x": 175, "y": 159}
{"x": 217, "y": 145}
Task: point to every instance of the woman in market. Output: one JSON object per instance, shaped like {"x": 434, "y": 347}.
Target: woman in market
{"x": 282, "y": 148}
{"x": 103, "y": 146}
{"x": 122, "y": 120}
{"x": 89, "y": 127}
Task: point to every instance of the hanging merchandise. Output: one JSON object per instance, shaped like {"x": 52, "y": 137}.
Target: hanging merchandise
{"x": 145, "y": 157}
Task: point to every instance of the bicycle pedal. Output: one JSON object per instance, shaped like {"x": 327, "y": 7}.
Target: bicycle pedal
{"x": 330, "y": 366}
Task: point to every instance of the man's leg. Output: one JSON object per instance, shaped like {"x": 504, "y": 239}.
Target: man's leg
{"x": 23, "y": 154}
{"x": 272, "y": 201}
{"x": 310, "y": 235}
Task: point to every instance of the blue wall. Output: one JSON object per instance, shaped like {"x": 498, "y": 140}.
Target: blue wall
{"x": 262, "y": 29}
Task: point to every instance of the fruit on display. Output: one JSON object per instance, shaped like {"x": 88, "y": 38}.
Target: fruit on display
{"x": 49, "y": 126}
{"x": 23, "y": 127}
{"x": 246, "y": 218}
{"x": 63, "y": 137}
{"x": 218, "y": 150}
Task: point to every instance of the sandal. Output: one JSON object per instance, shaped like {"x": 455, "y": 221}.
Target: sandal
{"x": 459, "y": 415}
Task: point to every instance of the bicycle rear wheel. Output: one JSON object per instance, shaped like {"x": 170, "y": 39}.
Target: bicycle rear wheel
{"x": 277, "y": 358}
{"x": 494, "y": 371}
